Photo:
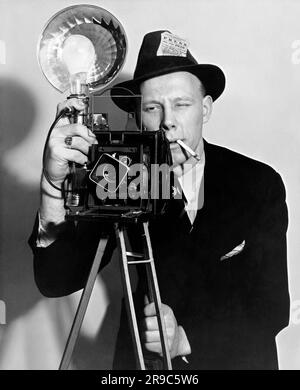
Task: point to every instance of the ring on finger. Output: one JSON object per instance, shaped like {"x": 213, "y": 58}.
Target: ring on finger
{"x": 68, "y": 141}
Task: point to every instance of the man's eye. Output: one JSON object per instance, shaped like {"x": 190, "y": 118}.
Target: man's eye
{"x": 151, "y": 108}
{"x": 182, "y": 104}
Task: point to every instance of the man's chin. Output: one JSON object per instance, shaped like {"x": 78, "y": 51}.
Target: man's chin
{"x": 177, "y": 166}
{"x": 178, "y": 157}
{"x": 178, "y": 162}
{"x": 182, "y": 165}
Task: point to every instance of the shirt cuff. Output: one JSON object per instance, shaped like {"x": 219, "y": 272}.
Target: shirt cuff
{"x": 45, "y": 237}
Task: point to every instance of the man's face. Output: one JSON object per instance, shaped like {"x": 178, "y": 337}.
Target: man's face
{"x": 175, "y": 103}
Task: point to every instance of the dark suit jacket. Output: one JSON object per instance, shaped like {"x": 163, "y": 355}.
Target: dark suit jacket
{"x": 231, "y": 309}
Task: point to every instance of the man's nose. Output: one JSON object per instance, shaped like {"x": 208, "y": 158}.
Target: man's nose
{"x": 168, "y": 121}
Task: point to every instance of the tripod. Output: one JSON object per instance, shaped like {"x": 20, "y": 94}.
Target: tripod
{"x": 127, "y": 258}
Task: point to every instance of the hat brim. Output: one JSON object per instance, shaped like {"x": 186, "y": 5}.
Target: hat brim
{"x": 211, "y": 76}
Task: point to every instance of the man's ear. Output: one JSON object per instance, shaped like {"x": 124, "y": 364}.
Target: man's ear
{"x": 207, "y": 108}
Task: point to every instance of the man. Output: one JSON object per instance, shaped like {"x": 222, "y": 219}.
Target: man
{"x": 221, "y": 264}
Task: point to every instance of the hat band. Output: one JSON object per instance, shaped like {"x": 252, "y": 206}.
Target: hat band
{"x": 161, "y": 64}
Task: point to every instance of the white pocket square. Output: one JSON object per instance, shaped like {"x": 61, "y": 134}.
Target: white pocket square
{"x": 234, "y": 251}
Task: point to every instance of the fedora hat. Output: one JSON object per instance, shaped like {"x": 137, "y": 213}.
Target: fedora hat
{"x": 162, "y": 52}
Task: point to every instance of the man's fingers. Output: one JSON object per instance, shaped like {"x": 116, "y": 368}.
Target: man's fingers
{"x": 76, "y": 156}
{"x": 62, "y": 154}
{"x": 68, "y": 105}
{"x": 150, "y": 333}
{"x": 75, "y": 129}
{"x": 149, "y": 310}
{"x": 150, "y": 320}
{"x": 150, "y": 323}
{"x": 154, "y": 336}
{"x": 153, "y": 347}
{"x": 77, "y": 104}
{"x": 57, "y": 146}
{"x": 78, "y": 143}
{"x": 146, "y": 300}
{"x": 151, "y": 336}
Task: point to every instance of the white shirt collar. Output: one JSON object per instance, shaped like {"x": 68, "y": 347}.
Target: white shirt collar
{"x": 191, "y": 184}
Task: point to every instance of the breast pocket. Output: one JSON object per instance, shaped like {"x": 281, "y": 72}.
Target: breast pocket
{"x": 233, "y": 252}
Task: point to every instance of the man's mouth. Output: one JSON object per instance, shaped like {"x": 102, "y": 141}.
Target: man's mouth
{"x": 174, "y": 144}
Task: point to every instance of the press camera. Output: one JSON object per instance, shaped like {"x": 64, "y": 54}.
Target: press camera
{"x": 128, "y": 174}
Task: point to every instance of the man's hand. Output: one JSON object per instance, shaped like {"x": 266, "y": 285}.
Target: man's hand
{"x": 57, "y": 157}
{"x": 176, "y": 337}
{"x": 58, "y": 154}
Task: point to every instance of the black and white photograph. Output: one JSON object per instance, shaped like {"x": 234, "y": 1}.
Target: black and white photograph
{"x": 149, "y": 198}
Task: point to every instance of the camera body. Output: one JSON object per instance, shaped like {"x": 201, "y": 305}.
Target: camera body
{"x": 128, "y": 176}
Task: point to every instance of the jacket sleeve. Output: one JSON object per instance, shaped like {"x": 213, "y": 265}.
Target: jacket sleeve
{"x": 63, "y": 267}
{"x": 272, "y": 301}
{"x": 266, "y": 309}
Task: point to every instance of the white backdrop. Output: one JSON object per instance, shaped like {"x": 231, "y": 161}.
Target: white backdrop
{"x": 256, "y": 44}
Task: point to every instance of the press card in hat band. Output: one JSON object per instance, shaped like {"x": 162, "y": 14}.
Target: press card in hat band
{"x": 171, "y": 45}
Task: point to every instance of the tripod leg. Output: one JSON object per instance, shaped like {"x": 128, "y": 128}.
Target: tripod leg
{"x": 84, "y": 300}
{"x": 155, "y": 297}
{"x": 129, "y": 299}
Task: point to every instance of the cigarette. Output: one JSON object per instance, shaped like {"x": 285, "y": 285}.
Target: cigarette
{"x": 188, "y": 149}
